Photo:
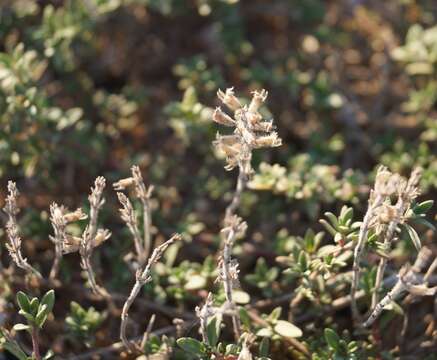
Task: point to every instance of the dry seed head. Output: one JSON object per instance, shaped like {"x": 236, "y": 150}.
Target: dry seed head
{"x": 229, "y": 99}
{"x": 95, "y": 198}
{"x": 257, "y": 100}
{"x": 11, "y": 207}
{"x": 248, "y": 125}
{"x": 141, "y": 191}
{"x": 387, "y": 183}
{"x": 265, "y": 126}
{"x": 271, "y": 140}
{"x": 101, "y": 236}
{"x": 222, "y": 118}
{"x": 386, "y": 214}
{"x": 411, "y": 189}
{"x": 127, "y": 212}
{"x": 71, "y": 244}
{"x": 57, "y": 215}
{"x": 236, "y": 224}
{"x": 233, "y": 272}
{"x": 123, "y": 184}
{"x": 76, "y": 215}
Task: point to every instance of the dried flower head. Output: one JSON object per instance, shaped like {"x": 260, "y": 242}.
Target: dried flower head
{"x": 101, "y": 236}
{"x": 257, "y": 100}
{"x": 229, "y": 99}
{"x": 76, "y": 215}
{"x": 123, "y": 184}
{"x": 71, "y": 244}
{"x": 411, "y": 189}
{"x": 250, "y": 133}
{"x": 233, "y": 272}
{"x": 387, "y": 183}
{"x": 235, "y": 224}
{"x": 14, "y": 245}
{"x": 222, "y": 118}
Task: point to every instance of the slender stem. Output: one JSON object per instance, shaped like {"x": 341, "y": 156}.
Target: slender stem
{"x": 35, "y": 343}
{"x": 358, "y": 252}
{"x": 125, "y": 314}
{"x": 147, "y": 224}
{"x": 400, "y": 208}
{"x": 227, "y": 282}
{"x": 56, "y": 263}
{"x": 142, "y": 278}
{"x": 227, "y": 249}
{"x": 392, "y": 295}
{"x": 236, "y": 199}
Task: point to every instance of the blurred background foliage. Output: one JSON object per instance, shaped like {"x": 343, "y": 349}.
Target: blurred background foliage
{"x": 91, "y": 87}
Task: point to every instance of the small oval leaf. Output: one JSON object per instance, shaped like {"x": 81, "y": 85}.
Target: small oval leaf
{"x": 287, "y": 329}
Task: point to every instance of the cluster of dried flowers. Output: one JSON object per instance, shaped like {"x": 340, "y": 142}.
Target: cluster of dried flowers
{"x": 14, "y": 246}
{"x": 389, "y": 204}
{"x": 383, "y": 216}
{"x": 251, "y": 132}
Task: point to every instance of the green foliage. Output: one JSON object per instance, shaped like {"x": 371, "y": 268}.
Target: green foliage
{"x": 342, "y": 228}
{"x": 83, "y": 324}
{"x": 34, "y": 310}
{"x": 91, "y": 87}
{"x": 263, "y": 277}
{"x": 308, "y": 182}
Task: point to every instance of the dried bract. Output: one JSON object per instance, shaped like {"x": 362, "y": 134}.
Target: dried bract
{"x": 14, "y": 246}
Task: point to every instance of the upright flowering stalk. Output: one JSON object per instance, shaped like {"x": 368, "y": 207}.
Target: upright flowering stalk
{"x": 143, "y": 243}
{"x": 250, "y": 132}
{"x": 60, "y": 218}
{"x": 393, "y": 215}
{"x": 143, "y": 276}
{"x": 14, "y": 246}
{"x": 410, "y": 280}
{"x": 92, "y": 236}
{"x": 386, "y": 184}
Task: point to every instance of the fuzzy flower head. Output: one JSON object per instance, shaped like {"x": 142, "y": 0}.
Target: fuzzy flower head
{"x": 250, "y": 130}
{"x": 387, "y": 183}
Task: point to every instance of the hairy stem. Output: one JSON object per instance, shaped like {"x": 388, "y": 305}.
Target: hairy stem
{"x": 227, "y": 282}
{"x": 147, "y": 225}
{"x": 358, "y": 252}
{"x": 227, "y": 249}
{"x": 236, "y": 199}
{"x": 56, "y": 263}
{"x": 125, "y": 314}
{"x": 35, "y": 343}
{"x": 400, "y": 208}
{"x": 143, "y": 277}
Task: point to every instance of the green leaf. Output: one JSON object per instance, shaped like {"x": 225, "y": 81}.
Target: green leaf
{"x": 414, "y": 237}
{"x": 21, "y": 327}
{"x": 41, "y": 317}
{"x": 34, "y": 304}
{"x": 332, "y": 339}
{"x": 264, "y": 347}
{"x": 425, "y": 223}
{"x": 191, "y": 345}
{"x": 29, "y": 317}
{"x": 287, "y": 329}
{"x": 328, "y": 227}
{"x": 49, "y": 300}
{"x": 332, "y": 218}
{"x": 423, "y": 207}
{"x": 15, "y": 350}
{"x": 23, "y": 302}
{"x": 213, "y": 330}
{"x": 275, "y": 314}
{"x": 49, "y": 355}
{"x": 245, "y": 319}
